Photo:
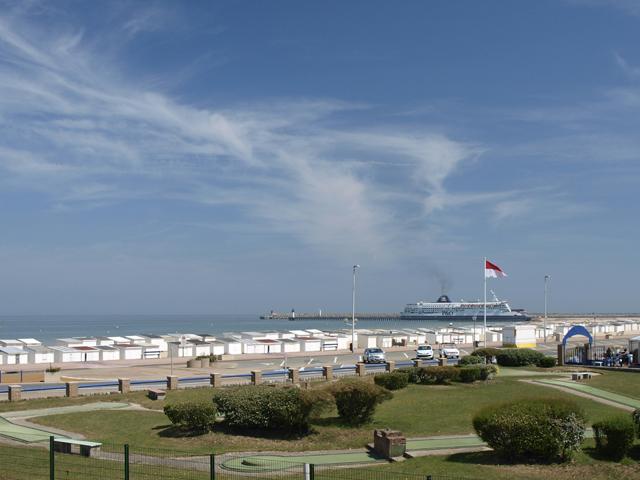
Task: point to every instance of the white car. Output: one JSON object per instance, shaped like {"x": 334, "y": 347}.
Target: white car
{"x": 450, "y": 351}
{"x": 424, "y": 351}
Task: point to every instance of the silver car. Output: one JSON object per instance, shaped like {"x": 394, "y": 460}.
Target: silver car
{"x": 424, "y": 351}
{"x": 374, "y": 355}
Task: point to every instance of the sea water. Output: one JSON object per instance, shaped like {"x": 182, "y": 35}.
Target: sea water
{"x": 48, "y": 328}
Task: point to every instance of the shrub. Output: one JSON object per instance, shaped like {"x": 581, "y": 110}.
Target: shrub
{"x": 487, "y": 353}
{"x": 614, "y": 436}
{"x": 413, "y": 373}
{"x": 53, "y": 370}
{"x": 211, "y": 357}
{"x": 266, "y": 408}
{"x": 547, "y": 362}
{"x": 356, "y": 400}
{"x": 470, "y": 374}
{"x": 540, "y": 430}
{"x": 471, "y": 360}
{"x": 194, "y": 416}
{"x": 518, "y": 357}
{"x": 439, "y": 375}
{"x": 636, "y": 420}
{"x": 392, "y": 380}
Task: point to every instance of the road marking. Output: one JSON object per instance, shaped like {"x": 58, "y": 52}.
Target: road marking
{"x": 282, "y": 363}
{"x": 266, "y": 364}
{"x": 335, "y": 359}
{"x": 310, "y": 361}
{"x": 405, "y": 355}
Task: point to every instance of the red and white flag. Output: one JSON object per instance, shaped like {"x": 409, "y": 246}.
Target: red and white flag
{"x": 491, "y": 270}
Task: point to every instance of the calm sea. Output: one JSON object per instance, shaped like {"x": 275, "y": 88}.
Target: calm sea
{"x": 47, "y": 328}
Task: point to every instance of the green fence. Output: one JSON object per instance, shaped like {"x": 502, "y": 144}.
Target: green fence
{"x": 124, "y": 462}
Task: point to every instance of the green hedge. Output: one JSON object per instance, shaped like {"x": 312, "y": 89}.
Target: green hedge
{"x": 393, "y": 380}
{"x": 532, "y": 430}
{"x": 614, "y": 436}
{"x": 547, "y": 362}
{"x": 472, "y": 373}
{"x": 194, "y": 416}
{"x": 487, "y": 353}
{"x": 268, "y": 408}
{"x": 471, "y": 360}
{"x": 636, "y": 420}
{"x": 356, "y": 400}
{"x": 518, "y": 357}
{"x": 447, "y": 374}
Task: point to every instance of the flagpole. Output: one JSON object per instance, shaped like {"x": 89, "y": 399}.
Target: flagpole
{"x": 484, "y": 274}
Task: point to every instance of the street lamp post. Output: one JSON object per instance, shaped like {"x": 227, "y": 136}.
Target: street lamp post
{"x": 546, "y": 293}
{"x": 353, "y": 310}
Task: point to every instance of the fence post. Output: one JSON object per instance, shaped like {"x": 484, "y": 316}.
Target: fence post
{"x": 126, "y": 461}
{"x": 312, "y": 471}
{"x": 212, "y": 467}
{"x": 52, "y": 459}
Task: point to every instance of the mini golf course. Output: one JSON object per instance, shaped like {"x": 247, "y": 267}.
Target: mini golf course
{"x": 593, "y": 391}
{"x": 24, "y": 434}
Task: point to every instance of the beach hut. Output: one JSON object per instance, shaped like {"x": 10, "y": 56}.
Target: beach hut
{"x": 217, "y": 348}
{"x": 130, "y": 351}
{"x": 310, "y": 344}
{"x": 39, "y": 354}
{"x": 200, "y": 347}
{"x": 89, "y": 354}
{"x": 232, "y": 346}
{"x": 290, "y": 345}
{"x": 29, "y": 342}
{"x": 11, "y": 355}
{"x": 63, "y": 354}
{"x": 522, "y": 336}
{"x": 149, "y": 350}
{"x": 108, "y": 352}
{"x": 270, "y": 345}
{"x": 10, "y": 343}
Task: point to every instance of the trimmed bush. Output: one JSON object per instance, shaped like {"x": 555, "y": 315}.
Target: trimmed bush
{"x": 356, "y": 400}
{"x": 470, "y": 374}
{"x": 392, "y": 380}
{"x": 439, "y": 375}
{"x": 471, "y": 360}
{"x": 636, "y": 420}
{"x": 487, "y": 353}
{"x": 547, "y": 362}
{"x": 488, "y": 372}
{"x": 539, "y": 430}
{"x": 614, "y": 436}
{"x": 194, "y": 416}
{"x": 518, "y": 357}
{"x": 263, "y": 407}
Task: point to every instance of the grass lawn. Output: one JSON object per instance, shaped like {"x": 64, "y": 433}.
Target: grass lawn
{"x": 416, "y": 411}
{"x": 624, "y": 383}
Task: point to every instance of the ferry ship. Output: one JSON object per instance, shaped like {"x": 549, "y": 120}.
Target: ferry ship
{"x": 445, "y": 309}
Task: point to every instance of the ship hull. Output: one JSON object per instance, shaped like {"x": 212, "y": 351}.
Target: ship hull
{"x": 466, "y": 318}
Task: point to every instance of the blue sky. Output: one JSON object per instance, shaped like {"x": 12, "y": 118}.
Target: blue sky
{"x": 233, "y": 157}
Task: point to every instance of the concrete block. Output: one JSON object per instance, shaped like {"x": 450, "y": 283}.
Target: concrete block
{"x": 124, "y": 385}
{"x": 417, "y": 363}
{"x": 71, "y": 389}
{"x": 172, "y": 382}
{"x": 256, "y": 377}
{"x": 327, "y": 372}
{"x": 361, "y": 369}
{"x": 294, "y": 375}
{"x": 442, "y": 362}
{"x": 391, "y": 366}
{"x": 15, "y": 393}
{"x": 216, "y": 380}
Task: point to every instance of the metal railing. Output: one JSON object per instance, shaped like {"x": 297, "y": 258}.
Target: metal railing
{"x": 125, "y": 462}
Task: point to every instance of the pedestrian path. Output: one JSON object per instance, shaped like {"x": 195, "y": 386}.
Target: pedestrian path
{"x": 593, "y": 391}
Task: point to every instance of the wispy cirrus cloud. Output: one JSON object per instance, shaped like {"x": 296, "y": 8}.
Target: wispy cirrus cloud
{"x": 79, "y": 130}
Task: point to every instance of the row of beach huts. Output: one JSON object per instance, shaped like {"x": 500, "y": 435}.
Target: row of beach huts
{"x": 150, "y": 346}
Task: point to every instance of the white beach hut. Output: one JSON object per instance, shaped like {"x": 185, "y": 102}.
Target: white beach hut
{"x": 217, "y": 348}
{"x": 290, "y": 345}
{"x": 63, "y": 354}
{"x": 130, "y": 351}
{"x": 108, "y": 352}
{"x": 11, "y": 355}
{"x": 232, "y": 346}
{"x": 39, "y": 354}
{"x": 89, "y": 354}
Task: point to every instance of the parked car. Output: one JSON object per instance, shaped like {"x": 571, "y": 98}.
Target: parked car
{"x": 424, "y": 351}
{"x": 450, "y": 351}
{"x": 374, "y": 355}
